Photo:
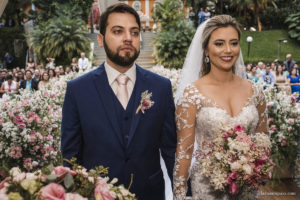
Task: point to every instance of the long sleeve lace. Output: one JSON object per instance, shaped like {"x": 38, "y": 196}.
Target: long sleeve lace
{"x": 261, "y": 105}
{"x": 186, "y": 112}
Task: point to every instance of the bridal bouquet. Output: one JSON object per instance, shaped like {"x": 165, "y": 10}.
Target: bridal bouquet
{"x": 235, "y": 160}
{"x": 62, "y": 183}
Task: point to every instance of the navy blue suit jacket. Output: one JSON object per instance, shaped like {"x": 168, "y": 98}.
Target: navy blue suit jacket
{"x": 91, "y": 133}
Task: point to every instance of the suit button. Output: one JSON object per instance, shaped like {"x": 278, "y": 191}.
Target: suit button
{"x": 127, "y": 159}
{"x": 126, "y": 137}
{"x": 126, "y": 118}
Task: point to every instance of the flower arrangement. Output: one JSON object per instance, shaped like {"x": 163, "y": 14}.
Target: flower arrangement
{"x": 30, "y": 127}
{"x": 173, "y": 74}
{"x": 284, "y": 125}
{"x": 62, "y": 183}
{"x": 236, "y": 160}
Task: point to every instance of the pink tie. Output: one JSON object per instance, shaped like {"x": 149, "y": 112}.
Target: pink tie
{"x": 122, "y": 92}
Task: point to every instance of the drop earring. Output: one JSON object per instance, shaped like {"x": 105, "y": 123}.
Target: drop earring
{"x": 206, "y": 59}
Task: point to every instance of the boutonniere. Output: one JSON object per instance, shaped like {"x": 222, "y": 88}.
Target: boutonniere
{"x": 145, "y": 103}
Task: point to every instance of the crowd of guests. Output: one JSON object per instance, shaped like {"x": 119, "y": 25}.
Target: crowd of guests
{"x": 285, "y": 76}
{"x": 35, "y": 75}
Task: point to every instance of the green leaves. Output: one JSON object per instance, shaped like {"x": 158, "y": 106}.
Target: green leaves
{"x": 61, "y": 37}
{"x": 173, "y": 40}
{"x": 293, "y": 21}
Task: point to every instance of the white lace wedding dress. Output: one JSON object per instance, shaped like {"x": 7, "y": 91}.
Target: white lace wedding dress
{"x": 198, "y": 118}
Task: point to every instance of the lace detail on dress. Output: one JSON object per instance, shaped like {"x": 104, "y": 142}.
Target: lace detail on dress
{"x": 198, "y": 119}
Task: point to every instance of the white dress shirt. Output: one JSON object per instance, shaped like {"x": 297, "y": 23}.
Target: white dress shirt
{"x": 83, "y": 63}
{"x": 112, "y": 75}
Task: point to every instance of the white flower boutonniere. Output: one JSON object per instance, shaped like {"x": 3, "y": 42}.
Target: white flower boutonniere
{"x": 146, "y": 102}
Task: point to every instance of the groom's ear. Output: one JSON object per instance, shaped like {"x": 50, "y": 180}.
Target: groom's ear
{"x": 100, "y": 39}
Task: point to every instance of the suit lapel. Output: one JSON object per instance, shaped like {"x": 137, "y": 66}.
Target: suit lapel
{"x": 140, "y": 87}
{"x": 105, "y": 91}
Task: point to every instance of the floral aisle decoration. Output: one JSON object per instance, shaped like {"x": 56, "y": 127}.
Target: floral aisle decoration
{"x": 30, "y": 127}
{"x": 62, "y": 183}
{"x": 284, "y": 127}
{"x": 236, "y": 161}
{"x": 173, "y": 74}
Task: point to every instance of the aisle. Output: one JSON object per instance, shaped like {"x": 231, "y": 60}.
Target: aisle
{"x": 287, "y": 190}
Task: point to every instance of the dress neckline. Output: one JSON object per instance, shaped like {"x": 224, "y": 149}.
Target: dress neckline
{"x": 245, "y": 104}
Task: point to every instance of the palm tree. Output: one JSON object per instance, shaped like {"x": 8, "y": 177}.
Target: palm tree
{"x": 254, "y": 5}
{"x": 61, "y": 37}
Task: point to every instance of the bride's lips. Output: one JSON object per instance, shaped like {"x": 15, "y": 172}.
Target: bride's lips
{"x": 227, "y": 58}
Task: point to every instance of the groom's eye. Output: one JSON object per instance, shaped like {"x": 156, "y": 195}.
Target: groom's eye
{"x": 119, "y": 31}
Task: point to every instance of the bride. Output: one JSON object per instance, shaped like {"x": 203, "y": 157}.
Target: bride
{"x": 212, "y": 93}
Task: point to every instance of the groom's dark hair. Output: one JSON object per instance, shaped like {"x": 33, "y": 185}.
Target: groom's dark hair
{"x": 117, "y": 8}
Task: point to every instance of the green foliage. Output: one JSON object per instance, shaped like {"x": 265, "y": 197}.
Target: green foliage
{"x": 293, "y": 22}
{"x": 265, "y": 46}
{"x": 49, "y": 8}
{"x": 61, "y": 37}
{"x": 173, "y": 40}
{"x": 168, "y": 13}
{"x": 7, "y": 37}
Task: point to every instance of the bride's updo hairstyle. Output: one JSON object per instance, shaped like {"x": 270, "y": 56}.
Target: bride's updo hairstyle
{"x": 219, "y": 21}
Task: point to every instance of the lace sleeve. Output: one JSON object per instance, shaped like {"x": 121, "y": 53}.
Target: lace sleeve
{"x": 261, "y": 106}
{"x": 186, "y": 111}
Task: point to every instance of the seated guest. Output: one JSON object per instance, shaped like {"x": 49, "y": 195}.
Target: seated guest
{"x": 28, "y": 83}
{"x": 20, "y": 76}
{"x": 281, "y": 81}
{"x": 51, "y": 73}
{"x": 268, "y": 77}
{"x": 294, "y": 81}
{"x": 9, "y": 86}
{"x": 30, "y": 64}
{"x": 37, "y": 76}
{"x": 74, "y": 65}
{"x": 253, "y": 76}
{"x": 68, "y": 70}
{"x": 44, "y": 83}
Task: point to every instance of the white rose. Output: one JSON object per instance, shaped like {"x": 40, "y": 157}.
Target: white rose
{"x": 235, "y": 166}
{"x": 247, "y": 169}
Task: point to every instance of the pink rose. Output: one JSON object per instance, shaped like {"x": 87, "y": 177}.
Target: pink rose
{"x": 233, "y": 175}
{"x": 22, "y": 126}
{"x": 102, "y": 189}
{"x": 2, "y": 183}
{"x": 270, "y": 104}
{"x": 226, "y": 135}
{"x": 283, "y": 142}
{"x": 293, "y": 99}
{"x": 61, "y": 171}
{"x": 258, "y": 169}
{"x": 239, "y": 128}
{"x": 291, "y": 121}
{"x": 31, "y": 137}
{"x": 290, "y": 128}
{"x": 52, "y": 191}
{"x": 233, "y": 189}
{"x": 146, "y": 104}
{"x": 273, "y": 127}
{"x": 71, "y": 196}
{"x": 262, "y": 160}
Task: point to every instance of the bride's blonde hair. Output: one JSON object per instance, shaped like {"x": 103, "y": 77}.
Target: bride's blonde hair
{"x": 214, "y": 23}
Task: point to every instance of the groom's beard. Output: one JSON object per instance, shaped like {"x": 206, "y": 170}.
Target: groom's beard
{"x": 123, "y": 61}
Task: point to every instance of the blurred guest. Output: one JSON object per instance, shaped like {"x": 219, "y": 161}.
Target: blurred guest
{"x": 37, "y": 76}
{"x": 28, "y": 83}
{"x": 50, "y": 63}
{"x": 248, "y": 70}
{"x": 57, "y": 73}
{"x": 9, "y": 86}
{"x": 51, "y": 73}
{"x": 2, "y": 79}
{"x": 44, "y": 83}
{"x": 285, "y": 71}
{"x": 268, "y": 77}
{"x": 253, "y": 76}
{"x": 8, "y": 59}
{"x": 296, "y": 66}
{"x": 30, "y": 64}
{"x": 83, "y": 62}
{"x": 68, "y": 70}
{"x": 289, "y": 62}
{"x": 294, "y": 81}
{"x": 20, "y": 76}
{"x": 261, "y": 69}
{"x": 74, "y": 65}
{"x": 281, "y": 81}
{"x": 61, "y": 70}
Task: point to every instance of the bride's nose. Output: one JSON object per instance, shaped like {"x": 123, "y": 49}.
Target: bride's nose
{"x": 227, "y": 48}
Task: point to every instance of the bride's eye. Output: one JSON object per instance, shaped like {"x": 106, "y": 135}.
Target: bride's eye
{"x": 218, "y": 44}
{"x": 235, "y": 43}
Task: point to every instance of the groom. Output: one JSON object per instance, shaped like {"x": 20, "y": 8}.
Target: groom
{"x": 106, "y": 119}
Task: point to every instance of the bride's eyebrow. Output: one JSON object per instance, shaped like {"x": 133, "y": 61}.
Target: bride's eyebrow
{"x": 220, "y": 40}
